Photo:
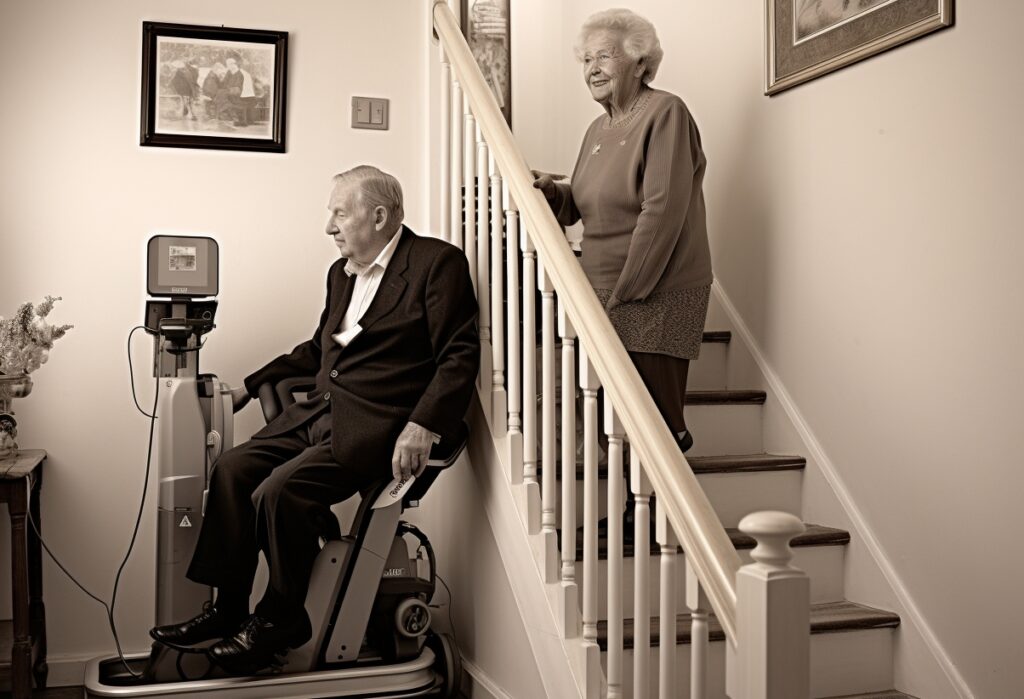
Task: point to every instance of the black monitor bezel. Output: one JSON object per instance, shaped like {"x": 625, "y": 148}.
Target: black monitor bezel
{"x": 215, "y": 262}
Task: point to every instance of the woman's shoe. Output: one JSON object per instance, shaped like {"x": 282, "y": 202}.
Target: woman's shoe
{"x": 685, "y": 441}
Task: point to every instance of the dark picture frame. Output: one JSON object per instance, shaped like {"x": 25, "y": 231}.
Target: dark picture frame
{"x": 805, "y": 39}
{"x": 486, "y": 24}
{"x": 213, "y": 87}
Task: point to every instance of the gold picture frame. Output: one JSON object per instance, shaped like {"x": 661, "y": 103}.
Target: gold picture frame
{"x": 806, "y": 39}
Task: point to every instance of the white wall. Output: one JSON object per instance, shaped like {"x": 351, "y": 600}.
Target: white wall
{"x": 865, "y": 226}
{"x": 79, "y": 198}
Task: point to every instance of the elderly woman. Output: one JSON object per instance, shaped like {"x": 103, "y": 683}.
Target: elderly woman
{"x": 637, "y": 188}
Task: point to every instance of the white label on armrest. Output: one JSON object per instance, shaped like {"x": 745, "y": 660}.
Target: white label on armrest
{"x": 395, "y": 491}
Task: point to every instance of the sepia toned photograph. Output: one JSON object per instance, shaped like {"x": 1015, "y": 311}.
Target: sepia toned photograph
{"x": 814, "y": 16}
{"x": 809, "y": 38}
{"x": 485, "y": 24}
{"x": 209, "y": 87}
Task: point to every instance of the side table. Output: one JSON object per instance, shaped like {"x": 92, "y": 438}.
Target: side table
{"x": 21, "y": 478}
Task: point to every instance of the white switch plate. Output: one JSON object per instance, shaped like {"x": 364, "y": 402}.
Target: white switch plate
{"x": 370, "y": 113}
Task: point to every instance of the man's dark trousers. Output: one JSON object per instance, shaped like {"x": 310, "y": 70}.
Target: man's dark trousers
{"x": 273, "y": 494}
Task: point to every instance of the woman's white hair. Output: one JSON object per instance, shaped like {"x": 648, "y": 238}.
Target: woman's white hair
{"x": 378, "y": 189}
{"x": 639, "y": 38}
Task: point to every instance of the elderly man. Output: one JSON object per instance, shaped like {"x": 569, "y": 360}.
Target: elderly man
{"x": 395, "y": 357}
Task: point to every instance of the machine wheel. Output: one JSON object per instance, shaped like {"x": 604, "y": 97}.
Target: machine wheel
{"x": 448, "y": 664}
{"x": 412, "y": 617}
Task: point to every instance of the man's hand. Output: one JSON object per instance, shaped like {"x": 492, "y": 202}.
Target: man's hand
{"x": 411, "y": 451}
{"x": 239, "y": 397}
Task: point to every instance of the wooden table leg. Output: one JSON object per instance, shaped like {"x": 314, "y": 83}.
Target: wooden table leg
{"x": 21, "y": 652}
{"x": 37, "y": 610}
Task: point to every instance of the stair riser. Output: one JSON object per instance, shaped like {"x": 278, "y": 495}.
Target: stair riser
{"x": 602, "y": 502}
{"x": 735, "y": 495}
{"x": 732, "y": 495}
{"x": 709, "y": 371}
{"x": 841, "y": 663}
{"x": 823, "y": 565}
{"x": 725, "y": 429}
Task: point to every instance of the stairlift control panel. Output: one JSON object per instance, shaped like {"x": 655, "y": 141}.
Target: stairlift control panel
{"x": 182, "y": 266}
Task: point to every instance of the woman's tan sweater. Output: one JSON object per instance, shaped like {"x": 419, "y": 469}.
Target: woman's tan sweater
{"x": 638, "y": 189}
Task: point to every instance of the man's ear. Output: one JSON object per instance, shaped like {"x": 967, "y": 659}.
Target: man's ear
{"x": 380, "y": 218}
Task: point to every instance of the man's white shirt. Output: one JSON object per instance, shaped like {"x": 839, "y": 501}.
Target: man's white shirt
{"x": 366, "y": 285}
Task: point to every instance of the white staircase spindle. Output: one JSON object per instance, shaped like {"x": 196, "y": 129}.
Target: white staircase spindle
{"x": 513, "y": 298}
{"x": 445, "y": 147}
{"x": 613, "y": 428}
{"x": 499, "y": 400}
{"x": 469, "y": 190}
{"x": 569, "y": 599}
{"x": 568, "y": 471}
{"x": 456, "y": 189}
{"x": 530, "y": 288}
{"x": 589, "y": 384}
{"x": 697, "y": 603}
{"x": 641, "y": 584}
{"x": 667, "y": 636}
{"x": 550, "y": 466}
{"x": 772, "y": 660}
{"x": 483, "y": 268}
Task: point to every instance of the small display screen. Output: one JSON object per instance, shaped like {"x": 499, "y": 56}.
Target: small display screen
{"x": 183, "y": 266}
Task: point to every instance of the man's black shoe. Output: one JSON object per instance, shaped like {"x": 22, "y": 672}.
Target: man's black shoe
{"x": 211, "y": 624}
{"x": 258, "y": 643}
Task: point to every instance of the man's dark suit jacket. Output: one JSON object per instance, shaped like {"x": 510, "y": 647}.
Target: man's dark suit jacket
{"x": 416, "y": 358}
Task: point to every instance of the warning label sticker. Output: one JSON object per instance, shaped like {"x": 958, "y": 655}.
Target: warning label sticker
{"x": 185, "y": 522}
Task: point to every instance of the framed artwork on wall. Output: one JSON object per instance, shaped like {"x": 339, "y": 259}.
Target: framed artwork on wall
{"x": 808, "y": 38}
{"x": 213, "y": 87}
{"x": 485, "y": 23}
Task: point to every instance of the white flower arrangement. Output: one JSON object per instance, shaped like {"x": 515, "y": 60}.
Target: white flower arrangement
{"x": 26, "y": 339}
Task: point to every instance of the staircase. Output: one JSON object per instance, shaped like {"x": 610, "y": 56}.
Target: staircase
{"x": 596, "y": 588}
{"x": 851, "y": 644}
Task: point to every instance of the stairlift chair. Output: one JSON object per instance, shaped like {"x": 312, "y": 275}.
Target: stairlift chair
{"x": 367, "y": 599}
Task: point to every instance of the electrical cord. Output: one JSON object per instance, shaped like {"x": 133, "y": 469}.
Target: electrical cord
{"x": 451, "y": 621}
{"x": 131, "y": 371}
{"x": 135, "y": 531}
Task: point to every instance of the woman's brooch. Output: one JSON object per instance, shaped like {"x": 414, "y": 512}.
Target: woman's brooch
{"x": 597, "y": 149}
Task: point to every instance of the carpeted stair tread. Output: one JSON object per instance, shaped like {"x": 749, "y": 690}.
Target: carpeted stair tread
{"x": 721, "y": 336}
{"x": 888, "y": 694}
{"x": 742, "y": 463}
{"x": 735, "y": 463}
{"x": 828, "y": 617}
{"x": 815, "y": 535}
{"x": 726, "y": 397}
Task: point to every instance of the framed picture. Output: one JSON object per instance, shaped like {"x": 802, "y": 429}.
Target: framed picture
{"x": 485, "y": 23}
{"x": 213, "y": 87}
{"x": 808, "y": 38}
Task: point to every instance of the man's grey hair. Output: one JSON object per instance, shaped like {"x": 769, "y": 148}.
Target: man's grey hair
{"x": 639, "y": 38}
{"x": 378, "y": 188}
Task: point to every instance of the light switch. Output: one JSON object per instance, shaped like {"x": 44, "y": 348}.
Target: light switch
{"x": 370, "y": 113}
{"x": 360, "y": 110}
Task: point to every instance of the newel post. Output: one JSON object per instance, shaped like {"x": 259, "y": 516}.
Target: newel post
{"x": 771, "y": 658}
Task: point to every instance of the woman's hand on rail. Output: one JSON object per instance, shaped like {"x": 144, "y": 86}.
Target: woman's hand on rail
{"x": 239, "y": 397}
{"x": 545, "y": 182}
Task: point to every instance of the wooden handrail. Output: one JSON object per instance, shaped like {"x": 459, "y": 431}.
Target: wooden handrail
{"x": 708, "y": 547}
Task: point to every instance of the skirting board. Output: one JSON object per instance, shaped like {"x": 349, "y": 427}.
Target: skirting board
{"x": 477, "y": 684}
{"x": 910, "y": 611}
{"x": 69, "y": 670}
